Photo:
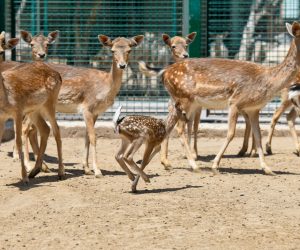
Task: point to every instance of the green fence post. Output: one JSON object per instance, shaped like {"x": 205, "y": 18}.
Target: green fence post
{"x": 2, "y": 15}
{"x": 195, "y": 25}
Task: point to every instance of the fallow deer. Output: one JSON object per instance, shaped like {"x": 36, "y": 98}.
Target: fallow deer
{"x": 178, "y": 46}
{"x": 31, "y": 89}
{"x": 243, "y": 87}
{"x": 39, "y": 50}
{"x": 290, "y": 100}
{"x": 92, "y": 91}
{"x": 137, "y": 130}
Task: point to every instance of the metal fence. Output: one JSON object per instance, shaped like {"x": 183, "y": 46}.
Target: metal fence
{"x": 246, "y": 30}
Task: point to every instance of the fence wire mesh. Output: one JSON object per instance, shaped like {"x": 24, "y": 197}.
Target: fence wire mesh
{"x": 236, "y": 29}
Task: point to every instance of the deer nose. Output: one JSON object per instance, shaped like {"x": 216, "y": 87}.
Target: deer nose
{"x": 122, "y": 66}
{"x": 42, "y": 55}
{"x": 185, "y": 55}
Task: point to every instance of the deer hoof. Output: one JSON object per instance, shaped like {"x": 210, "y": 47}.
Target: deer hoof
{"x": 34, "y": 172}
{"x": 45, "y": 168}
{"x": 269, "y": 149}
{"x": 98, "y": 175}
{"x": 241, "y": 153}
{"x": 268, "y": 171}
{"x": 196, "y": 170}
{"x": 215, "y": 171}
{"x": 88, "y": 172}
{"x": 61, "y": 177}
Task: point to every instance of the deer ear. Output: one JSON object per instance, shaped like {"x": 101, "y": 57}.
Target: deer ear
{"x": 105, "y": 40}
{"x": 190, "y": 37}
{"x": 11, "y": 43}
{"x": 2, "y": 34}
{"x": 296, "y": 29}
{"x": 136, "y": 40}
{"x": 166, "y": 39}
{"x": 26, "y": 36}
{"x": 289, "y": 29}
{"x": 52, "y": 36}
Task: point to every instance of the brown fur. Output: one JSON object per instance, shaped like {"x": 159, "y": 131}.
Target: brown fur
{"x": 137, "y": 130}
{"x": 31, "y": 89}
{"x": 244, "y": 87}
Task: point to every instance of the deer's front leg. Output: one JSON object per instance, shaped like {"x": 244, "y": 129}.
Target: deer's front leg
{"x": 232, "y": 119}
{"x": 90, "y": 120}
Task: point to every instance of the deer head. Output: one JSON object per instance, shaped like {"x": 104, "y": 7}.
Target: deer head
{"x": 121, "y": 48}
{"x": 179, "y": 45}
{"x": 39, "y": 43}
{"x": 10, "y": 44}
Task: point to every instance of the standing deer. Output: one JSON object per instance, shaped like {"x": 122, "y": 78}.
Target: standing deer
{"x": 137, "y": 130}
{"x": 39, "y": 50}
{"x": 31, "y": 89}
{"x": 92, "y": 91}
{"x": 243, "y": 87}
{"x": 178, "y": 46}
{"x": 289, "y": 102}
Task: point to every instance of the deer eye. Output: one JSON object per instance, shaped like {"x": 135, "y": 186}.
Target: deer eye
{"x": 31, "y": 45}
{"x": 173, "y": 46}
{"x": 112, "y": 51}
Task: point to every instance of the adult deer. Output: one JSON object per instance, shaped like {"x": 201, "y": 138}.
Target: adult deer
{"x": 178, "y": 46}
{"x": 243, "y": 87}
{"x": 39, "y": 50}
{"x": 291, "y": 103}
{"x": 31, "y": 89}
{"x": 137, "y": 130}
{"x": 92, "y": 91}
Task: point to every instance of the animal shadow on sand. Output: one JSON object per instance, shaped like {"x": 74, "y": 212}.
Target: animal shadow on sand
{"x": 46, "y": 179}
{"x": 164, "y": 190}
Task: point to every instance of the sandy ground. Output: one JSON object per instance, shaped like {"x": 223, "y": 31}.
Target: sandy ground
{"x": 239, "y": 209}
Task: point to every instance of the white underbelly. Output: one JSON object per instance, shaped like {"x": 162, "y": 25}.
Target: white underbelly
{"x": 211, "y": 104}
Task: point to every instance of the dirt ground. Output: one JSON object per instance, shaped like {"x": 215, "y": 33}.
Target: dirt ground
{"x": 239, "y": 209}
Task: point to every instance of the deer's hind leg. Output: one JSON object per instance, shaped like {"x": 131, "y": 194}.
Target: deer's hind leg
{"x": 291, "y": 117}
{"x": 120, "y": 158}
{"x": 284, "y": 105}
{"x": 44, "y": 131}
{"x": 131, "y": 150}
{"x": 149, "y": 153}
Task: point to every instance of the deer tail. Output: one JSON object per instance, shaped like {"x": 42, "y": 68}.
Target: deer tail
{"x": 116, "y": 118}
{"x": 294, "y": 91}
{"x": 149, "y": 71}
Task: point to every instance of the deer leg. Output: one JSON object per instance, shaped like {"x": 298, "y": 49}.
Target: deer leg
{"x": 254, "y": 120}
{"x": 128, "y": 157}
{"x": 44, "y": 131}
{"x": 50, "y": 114}
{"x": 149, "y": 153}
{"x": 275, "y": 118}
{"x": 2, "y": 128}
{"x": 90, "y": 122}
{"x": 33, "y": 138}
{"x": 244, "y": 148}
{"x": 196, "y": 128}
{"x": 291, "y": 117}
{"x": 15, "y": 150}
{"x": 253, "y": 147}
{"x": 164, "y": 154}
{"x": 186, "y": 145}
{"x": 232, "y": 119}
{"x": 120, "y": 158}
{"x": 189, "y": 132}
{"x": 18, "y": 133}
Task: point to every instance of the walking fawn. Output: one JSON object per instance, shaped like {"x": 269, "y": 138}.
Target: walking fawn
{"x": 137, "y": 130}
{"x": 291, "y": 102}
{"x": 92, "y": 91}
{"x": 241, "y": 86}
{"x": 31, "y": 89}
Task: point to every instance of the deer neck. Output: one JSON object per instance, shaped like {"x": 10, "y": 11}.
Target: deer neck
{"x": 115, "y": 77}
{"x": 170, "y": 122}
{"x": 284, "y": 73}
